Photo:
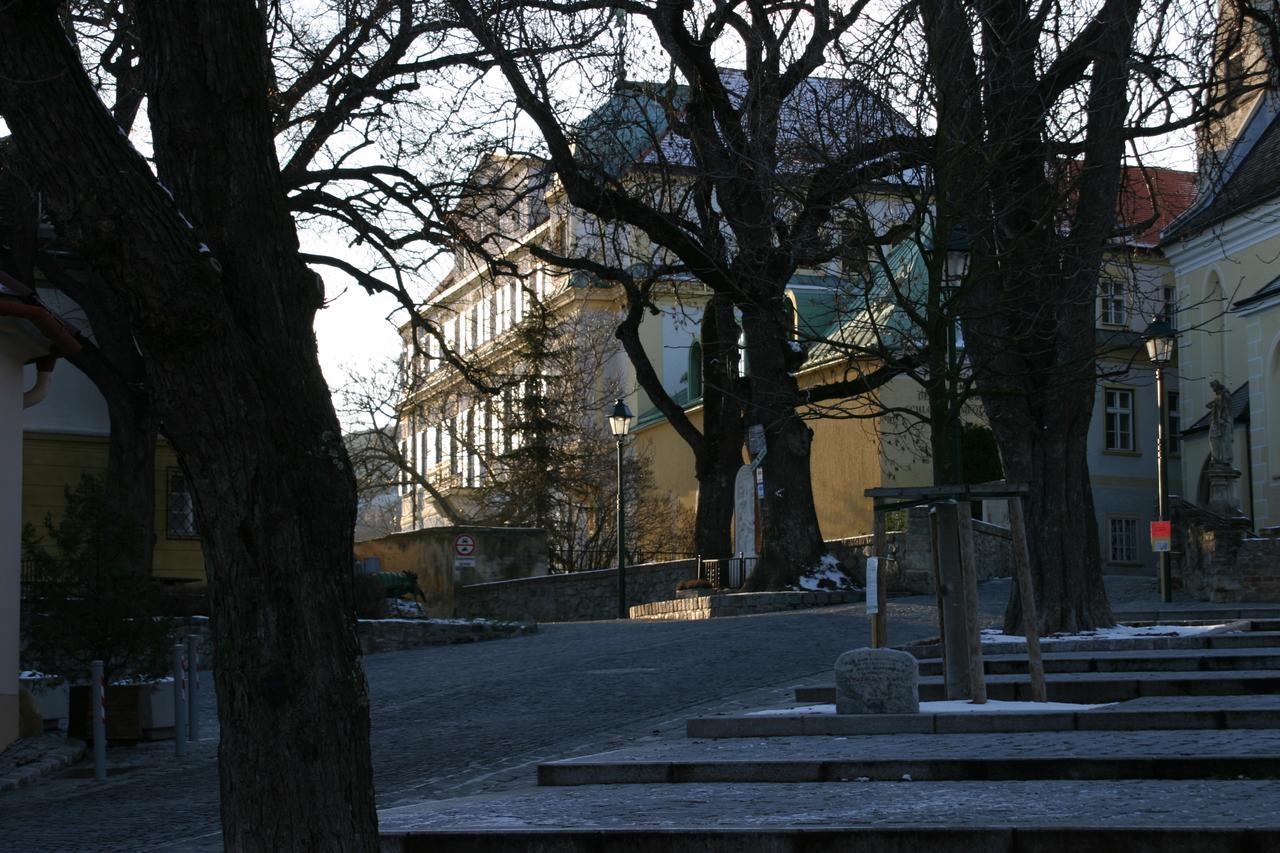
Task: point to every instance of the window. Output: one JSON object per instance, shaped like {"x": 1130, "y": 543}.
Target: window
{"x": 1119, "y": 419}
{"x": 180, "y": 507}
{"x": 1111, "y": 294}
{"x": 695, "y": 371}
{"x": 1123, "y": 539}
{"x": 1169, "y": 305}
{"x": 1174, "y": 439}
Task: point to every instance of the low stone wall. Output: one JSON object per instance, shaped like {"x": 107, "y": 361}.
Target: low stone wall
{"x": 740, "y": 604}
{"x": 393, "y": 635}
{"x": 573, "y": 597}
{"x": 390, "y": 635}
{"x": 911, "y": 568}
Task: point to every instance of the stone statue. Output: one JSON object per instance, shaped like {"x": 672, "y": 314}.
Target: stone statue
{"x": 1220, "y": 426}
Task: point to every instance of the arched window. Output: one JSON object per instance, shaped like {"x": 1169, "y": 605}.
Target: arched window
{"x": 1214, "y": 360}
{"x": 695, "y": 371}
{"x": 1272, "y": 400}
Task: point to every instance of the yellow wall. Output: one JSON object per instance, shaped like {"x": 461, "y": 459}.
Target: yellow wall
{"x": 1217, "y": 343}
{"x": 51, "y": 463}
{"x": 846, "y": 453}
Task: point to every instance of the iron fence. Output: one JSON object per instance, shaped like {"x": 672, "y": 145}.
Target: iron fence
{"x": 729, "y": 573}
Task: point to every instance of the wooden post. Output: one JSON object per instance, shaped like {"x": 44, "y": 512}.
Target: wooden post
{"x": 969, "y": 591}
{"x": 879, "y": 622}
{"x": 1027, "y": 599}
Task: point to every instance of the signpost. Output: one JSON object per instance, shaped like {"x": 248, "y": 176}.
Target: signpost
{"x": 464, "y": 551}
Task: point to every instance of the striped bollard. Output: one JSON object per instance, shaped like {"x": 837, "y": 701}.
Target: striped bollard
{"x": 179, "y": 702}
{"x": 99, "y": 720}
{"x": 193, "y": 686}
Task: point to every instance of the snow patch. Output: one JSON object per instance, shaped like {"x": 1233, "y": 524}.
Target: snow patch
{"x": 951, "y": 706}
{"x": 826, "y": 575}
{"x": 1119, "y": 632}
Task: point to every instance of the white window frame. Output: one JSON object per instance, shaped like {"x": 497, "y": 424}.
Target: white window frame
{"x": 1129, "y": 538}
{"x": 1110, "y": 302}
{"x": 1124, "y": 421}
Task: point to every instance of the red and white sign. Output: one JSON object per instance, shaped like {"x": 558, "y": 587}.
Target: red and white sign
{"x": 1161, "y": 536}
{"x": 464, "y": 544}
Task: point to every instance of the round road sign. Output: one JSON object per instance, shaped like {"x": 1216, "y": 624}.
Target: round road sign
{"x": 464, "y": 544}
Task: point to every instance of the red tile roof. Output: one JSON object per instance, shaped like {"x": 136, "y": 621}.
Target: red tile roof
{"x": 1150, "y": 198}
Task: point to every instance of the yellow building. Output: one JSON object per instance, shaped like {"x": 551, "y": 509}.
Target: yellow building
{"x": 66, "y": 436}
{"x": 1225, "y": 252}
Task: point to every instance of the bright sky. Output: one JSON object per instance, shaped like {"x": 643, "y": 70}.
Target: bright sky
{"x": 352, "y": 330}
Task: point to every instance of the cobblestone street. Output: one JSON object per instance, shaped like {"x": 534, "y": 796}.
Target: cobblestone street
{"x": 452, "y": 721}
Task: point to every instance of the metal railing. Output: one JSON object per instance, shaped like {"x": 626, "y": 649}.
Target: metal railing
{"x": 730, "y": 573}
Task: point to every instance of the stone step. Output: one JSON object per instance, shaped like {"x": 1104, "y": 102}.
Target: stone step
{"x": 1205, "y": 660}
{"x": 1145, "y": 816}
{"x": 949, "y": 758}
{"x": 1023, "y": 768}
{"x": 1154, "y": 714}
{"x": 1095, "y": 687}
{"x": 864, "y": 839}
{"x": 1242, "y": 639}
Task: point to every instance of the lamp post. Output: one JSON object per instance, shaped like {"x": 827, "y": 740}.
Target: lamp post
{"x": 1160, "y": 342}
{"x": 953, "y": 277}
{"x": 619, "y": 424}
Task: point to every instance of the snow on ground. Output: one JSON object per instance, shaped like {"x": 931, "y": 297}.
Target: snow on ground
{"x": 402, "y": 607}
{"x": 1119, "y": 632}
{"x": 826, "y": 575}
{"x": 952, "y": 706}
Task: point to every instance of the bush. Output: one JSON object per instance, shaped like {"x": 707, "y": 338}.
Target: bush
{"x": 693, "y": 583}
{"x": 91, "y": 602}
{"x": 369, "y": 596}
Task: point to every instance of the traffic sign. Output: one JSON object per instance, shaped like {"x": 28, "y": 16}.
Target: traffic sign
{"x": 464, "y": 544}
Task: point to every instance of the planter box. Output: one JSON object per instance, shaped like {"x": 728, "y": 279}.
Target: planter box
{"x": 52, "y": 694}
{"x": 134, "y": 712}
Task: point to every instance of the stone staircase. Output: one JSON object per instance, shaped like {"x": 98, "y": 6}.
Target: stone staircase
{"x": 1188, "y": 759}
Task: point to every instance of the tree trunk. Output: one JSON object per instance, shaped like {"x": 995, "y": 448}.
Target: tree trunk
{"x": 792, "y": 540}
{"x": 721, "y": 453}
{"x": 1065, "y": 574}
{"x": 223, "y": 320}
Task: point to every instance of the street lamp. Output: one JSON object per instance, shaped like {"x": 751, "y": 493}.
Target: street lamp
{"x": 619, "y": 424}
{"x": 1161, "y": 341}
{"x": 957, "y": 265}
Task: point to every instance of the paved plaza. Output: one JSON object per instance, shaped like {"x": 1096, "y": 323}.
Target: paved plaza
{"x": 469, "y": 724}
{"x": 451, "y": 721}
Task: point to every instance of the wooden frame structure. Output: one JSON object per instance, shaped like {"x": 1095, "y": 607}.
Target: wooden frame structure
{"x": 962, "y": 643}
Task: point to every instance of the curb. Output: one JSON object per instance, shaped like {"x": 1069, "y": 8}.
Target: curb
{"x": 56, "y": 759}
{"x": 960, "y": 839}
{"x": 1007, "y": 769}
{"x": 826, "y": 725}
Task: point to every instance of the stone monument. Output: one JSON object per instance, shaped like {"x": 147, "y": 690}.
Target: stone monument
{"x": 877, "y": 681}
{"x": 1220, "y": 470}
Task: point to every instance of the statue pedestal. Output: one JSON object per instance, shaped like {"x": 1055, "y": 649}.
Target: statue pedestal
{"x": 1224, "y": 493}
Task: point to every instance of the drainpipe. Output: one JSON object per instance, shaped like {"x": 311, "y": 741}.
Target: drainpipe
{"x": 44, "y": 378}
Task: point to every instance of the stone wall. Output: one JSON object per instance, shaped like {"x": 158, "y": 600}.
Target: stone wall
{"x": 500, "y": 553}
{"x": 1216, "y": 560}
{"x": 391, "y": 635}
{"x": 741, "y": 604}
{"x": 573, "y": 597}
{"x": 911, "y": 569}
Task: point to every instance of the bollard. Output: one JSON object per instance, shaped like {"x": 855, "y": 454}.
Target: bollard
{"x": 179, "y": 702}
{"x": 99, "y": 720}
{"x": 193, "y": 686}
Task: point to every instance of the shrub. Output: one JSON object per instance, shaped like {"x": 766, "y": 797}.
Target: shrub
{"x": 91, "y": 602}
{"x": 369, "y": 596}
{"x": 693, "y": 583}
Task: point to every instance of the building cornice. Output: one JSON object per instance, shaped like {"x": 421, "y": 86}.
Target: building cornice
{"x": 1225, "y": 239}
